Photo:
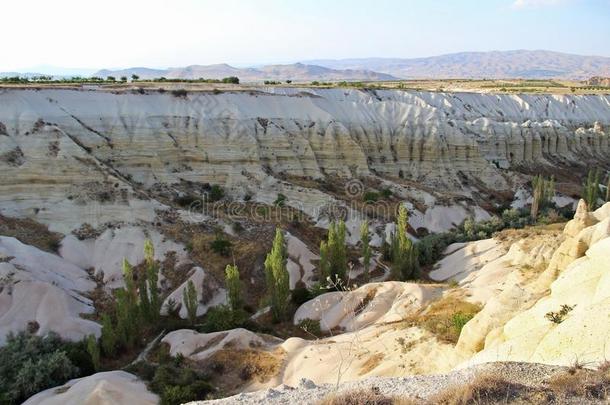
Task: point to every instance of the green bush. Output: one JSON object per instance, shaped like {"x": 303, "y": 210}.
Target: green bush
{"x": 280, "y": 200}
{"x": 231, "y": 79}
{"x": 311, "y": 326}
{"x": 221, "y": 246}
{"x": 222, "y": 317}
{"x": 30, "y": 364}
{"x": 176, "y": 385}
{"x": 300, "y": 295}
{"x": 370, "y": 196}
{"x": 216, "y": 193}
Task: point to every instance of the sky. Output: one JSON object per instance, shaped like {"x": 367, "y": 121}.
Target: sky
{"x": 164, "y": 33}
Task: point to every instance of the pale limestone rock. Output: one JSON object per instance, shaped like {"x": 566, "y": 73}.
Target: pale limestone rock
{"x": 43, "y": 288}
{"x": 209, "y": 294}
{"x": 107, "y": 388}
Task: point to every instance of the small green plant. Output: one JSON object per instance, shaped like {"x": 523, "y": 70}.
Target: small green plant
{"x": 280, "y": 200}
{"x": 311, "y": 326}
{"x": 221, "y": 246}
{"x": 94, "y": 351}
{"x": 216, "y": 193}
{"x": 559, "y": 316}
{"x": 370, "y": 196}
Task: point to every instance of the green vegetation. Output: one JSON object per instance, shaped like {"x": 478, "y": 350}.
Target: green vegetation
{"x": 216, "y": 193}
{"x": 311, "y": 326}
{"x": 366, "y": 252}
{"x": 178, "y": 383}
{"x": 333, "y": 255}
{"x": 590, "y": 191}
{"x": 223, "y": 317}
{"x": 543, "y": 191}
{"x": 233, "y": 286}
{"x": 189, "y": 298}
{"x": 94, "y": 351}
{"x": 277, "y": 278}
{"x": 280, "y": 200}
{"x": 405, "y": 264}
{"x": 30, "y": 364}
{"x": 221, "y": 246}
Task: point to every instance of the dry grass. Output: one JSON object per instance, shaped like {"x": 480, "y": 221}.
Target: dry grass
{"x": 30, "y": 232}
{"x": 446, "y": 317}
{"x": 371, "y": 363}
{"x": 582, "y": 383}
{"x": 365, "y": 397}
{"x": 232, "y": 368}
{"x": 482, "y": 390}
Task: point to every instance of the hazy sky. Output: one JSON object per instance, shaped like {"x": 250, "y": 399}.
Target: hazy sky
{"x": 160, "y": 33}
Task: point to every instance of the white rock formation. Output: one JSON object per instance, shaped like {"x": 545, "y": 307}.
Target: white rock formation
{"x": 373, "y": 303}
{"x": 209, "y": 294}
{"x": 107, "y": 388}
{"x": 71, "y": 156}
{"x": 42, "y": 288}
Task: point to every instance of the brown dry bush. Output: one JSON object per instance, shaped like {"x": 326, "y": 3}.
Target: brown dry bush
{"x": 483, "y": 389}
{"x": 370, "y": 396}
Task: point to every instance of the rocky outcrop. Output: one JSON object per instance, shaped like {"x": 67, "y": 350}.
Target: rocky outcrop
{"x": 111, "y": 387}
{"x": 92, "y": 156}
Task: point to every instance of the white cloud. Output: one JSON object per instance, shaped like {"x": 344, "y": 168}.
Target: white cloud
{"x": 521, "y": 4}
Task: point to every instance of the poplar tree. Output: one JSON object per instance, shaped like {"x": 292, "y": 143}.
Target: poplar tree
{"x": 365, "y": 239}
{"x": 542, "y": 192}
{"x": 333, "y": 254}
{"x": 277, "y": 277}
{"x": 152, "y": 279}
{"x": 405, "y": 264}
{"x": 233, "y": 286}
{"x": 591, "y": 189}
{"x": 109, "y": 338}
{"x": 189, "y": 299}
{"x": 94, "y": 351}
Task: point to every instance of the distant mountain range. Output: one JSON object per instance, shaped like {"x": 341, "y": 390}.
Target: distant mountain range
{"x": 475, "y": 65}
{"x": 297, "y": 72}
{"x": 493, "y": 65}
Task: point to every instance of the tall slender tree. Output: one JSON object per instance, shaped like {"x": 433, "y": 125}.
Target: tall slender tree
{"x": 278, "y": 284}
{"x": 542, "y": 193}
{"x": 405, "y": 264}
{"x": 189, "y": 300}
{"x": 233, "y": 284}
{"x": 365, "y": 239}
{"x": 591, "y": 189}
{"x": 333, "y": 254}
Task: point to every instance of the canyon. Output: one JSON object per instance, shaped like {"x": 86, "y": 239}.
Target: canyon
{"x": 91, "y": 174}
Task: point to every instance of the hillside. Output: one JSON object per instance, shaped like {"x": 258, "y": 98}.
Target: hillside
{"x": 525, "y": 64}
{"x": 296, "y": 72}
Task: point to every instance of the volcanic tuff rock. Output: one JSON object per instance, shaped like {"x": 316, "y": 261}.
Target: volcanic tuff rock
{"x": 70, "y": 156}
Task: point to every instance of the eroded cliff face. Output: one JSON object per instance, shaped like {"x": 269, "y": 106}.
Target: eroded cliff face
{"x": 59, "y": 147}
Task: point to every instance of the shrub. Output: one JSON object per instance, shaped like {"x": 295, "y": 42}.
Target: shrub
{"x": 559, "y": 316}
{"x": 179, "y": 93}
{"x": 231, "y": 79}
{"x": 30, "y": 364}
{"x": 300, "y": 295}
{"x": 311, "y": 326}
{"x": 222, "y": 317}
{"x": 233, "y": 286}
{"x": 221, "y": 246}
{"x": 370, "y": 196}
{"x": 177, "y": 385}
{"x": 280, "y": 200}
{"x": 216, "y": 193}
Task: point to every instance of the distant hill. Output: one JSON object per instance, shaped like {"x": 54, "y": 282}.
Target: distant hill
{"x": 494, "y": 65}
{"x": 297, "y": 72}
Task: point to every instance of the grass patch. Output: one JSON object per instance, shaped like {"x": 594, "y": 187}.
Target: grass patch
{"x": 370, "y": 396}
{"x": 446, "y": 317}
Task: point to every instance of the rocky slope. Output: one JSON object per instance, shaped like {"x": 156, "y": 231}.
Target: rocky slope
{"x": 72, "y": 156}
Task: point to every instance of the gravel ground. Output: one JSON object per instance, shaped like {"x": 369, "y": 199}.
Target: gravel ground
{"x": 419, "y": 386}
